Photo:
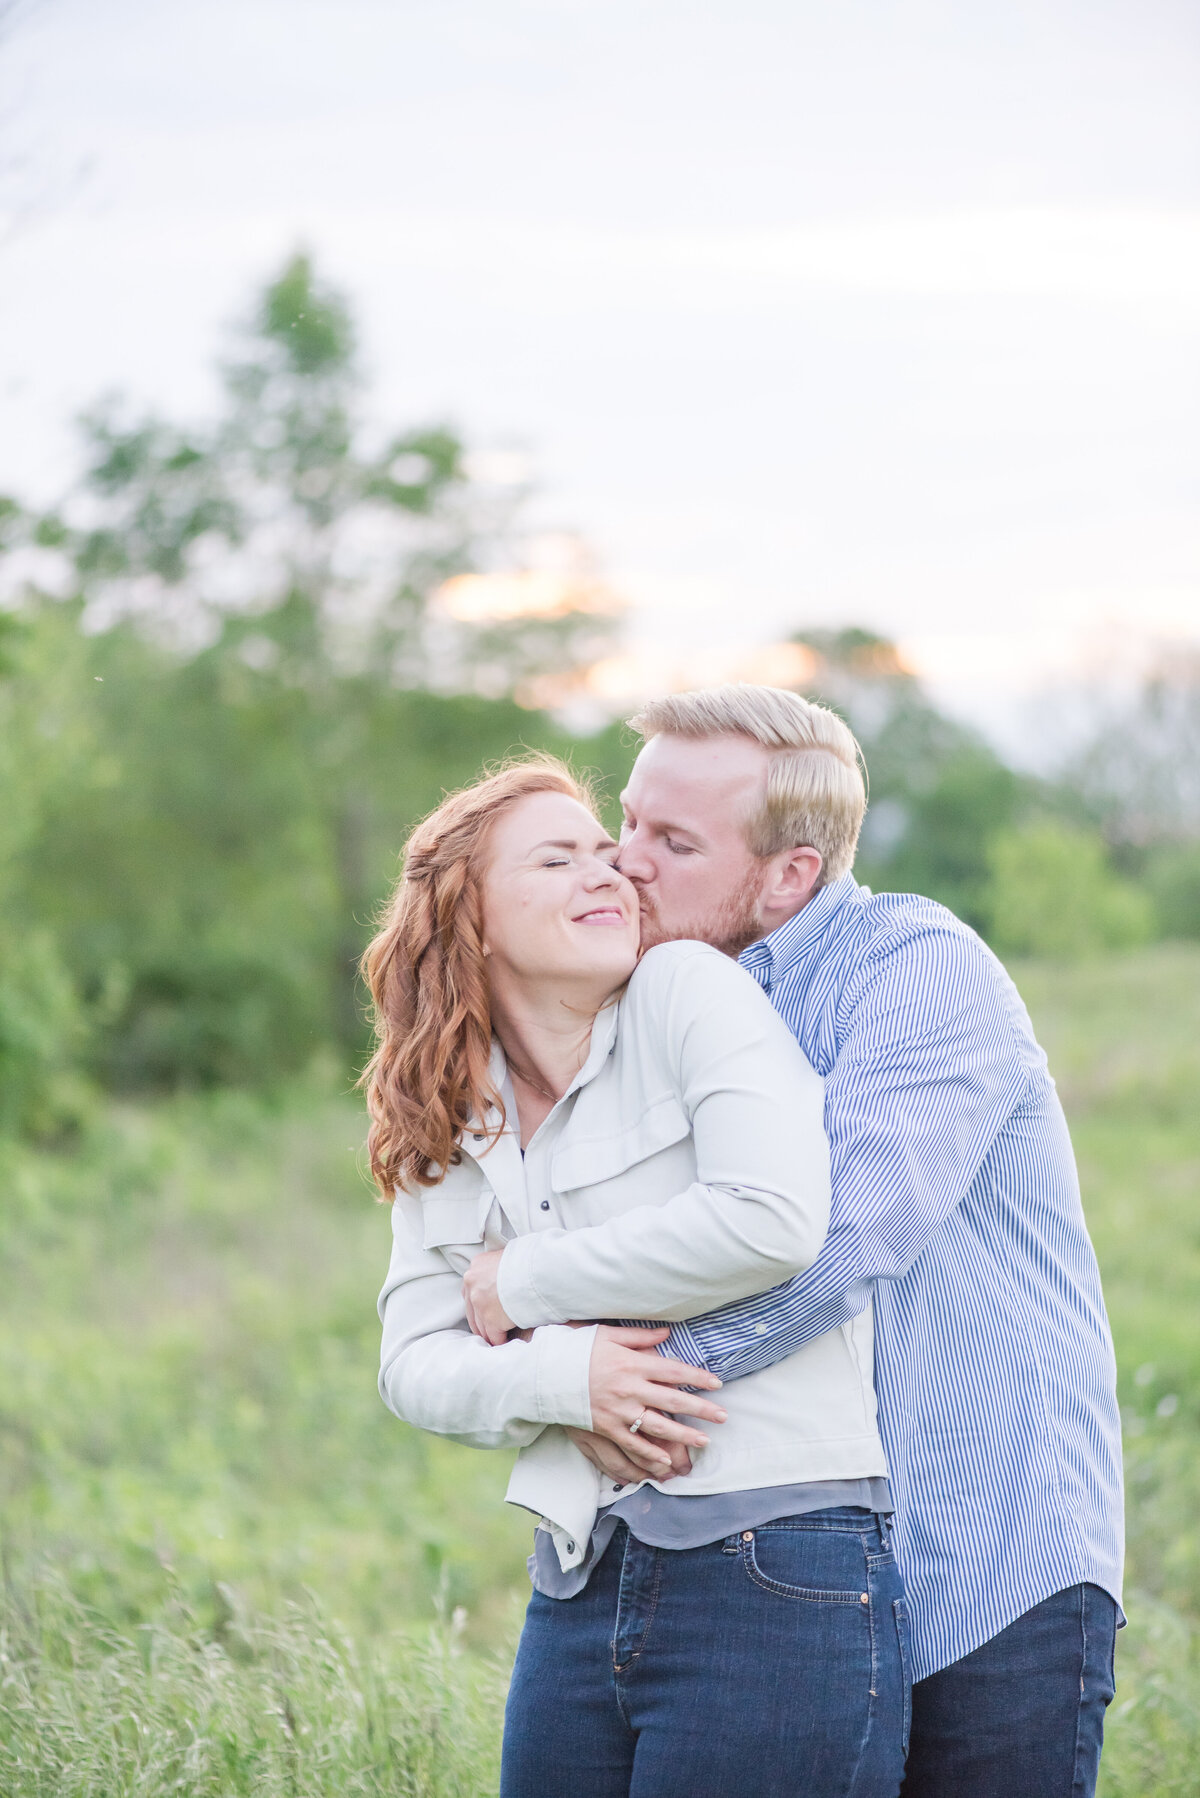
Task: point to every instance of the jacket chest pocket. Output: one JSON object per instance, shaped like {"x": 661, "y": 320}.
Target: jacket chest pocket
{"x": 462, "y": 1226}
{"x": 590, "y": 1160}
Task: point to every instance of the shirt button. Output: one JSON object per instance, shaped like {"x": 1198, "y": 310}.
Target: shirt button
{"x": 760, "y": 1329}
{"x": 570, "y": 1548}
{"x": 545, "y": 1204}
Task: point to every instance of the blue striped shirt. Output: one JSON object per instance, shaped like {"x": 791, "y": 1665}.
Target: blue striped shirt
{"x": 956, "y": 1208}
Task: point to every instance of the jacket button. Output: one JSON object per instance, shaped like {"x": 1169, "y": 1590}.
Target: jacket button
{"x": 545, "y": 1204}
{"x": 570, "y": 1548}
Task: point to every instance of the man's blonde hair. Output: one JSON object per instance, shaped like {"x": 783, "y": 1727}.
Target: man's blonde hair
{"x": 816, "y": 792}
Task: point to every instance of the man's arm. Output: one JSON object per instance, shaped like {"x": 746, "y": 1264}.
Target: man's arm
{"x": 757, "y": 1209}
{"x": 935, "y": 1057}
{"x": 434, "y": 1373}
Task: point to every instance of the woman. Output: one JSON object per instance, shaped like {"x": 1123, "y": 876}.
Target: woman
{"x": 609, "y": 1137}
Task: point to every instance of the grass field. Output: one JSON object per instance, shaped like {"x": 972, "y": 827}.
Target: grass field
{"x": 227, "y": 1570}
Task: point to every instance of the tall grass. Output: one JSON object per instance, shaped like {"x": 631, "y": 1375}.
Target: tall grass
{"x": 271, "y": 1708}
{"x": 197, "y": 1477}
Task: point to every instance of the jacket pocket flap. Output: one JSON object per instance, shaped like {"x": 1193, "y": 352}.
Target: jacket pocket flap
{"x": 589, "y": 1160}
{"x": 458, "y": 1219}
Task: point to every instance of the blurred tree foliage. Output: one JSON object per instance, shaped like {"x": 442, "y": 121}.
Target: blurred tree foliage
{"x": 219, "y": 728}
{"x": 227, "y": 688}
{"x": 1053, "y": 893}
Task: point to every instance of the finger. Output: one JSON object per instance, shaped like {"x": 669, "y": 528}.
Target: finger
{"x": 649, "y": 1459}
{"x": 622, "y": 1470}
{"x": 689, "y": 1404}
{"x": 472, "y": 1320}
{"x": 496, "y": 1332}
{"x": 607, "y": 1457}
{"x": 680, "y": 1373}
{"x": 655, "y": 1424}
{"x": 637, "y": 1337}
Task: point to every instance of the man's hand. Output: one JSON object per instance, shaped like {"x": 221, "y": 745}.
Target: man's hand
{"x": 618, "y": 1467}
{"x": 485, "y": 1314}
{"x": 629, "y": 1381}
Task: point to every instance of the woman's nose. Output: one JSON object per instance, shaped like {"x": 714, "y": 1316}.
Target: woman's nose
{"x": 603, "y": 874}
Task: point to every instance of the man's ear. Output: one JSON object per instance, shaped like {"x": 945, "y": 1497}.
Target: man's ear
{"x": 796, "y": 874}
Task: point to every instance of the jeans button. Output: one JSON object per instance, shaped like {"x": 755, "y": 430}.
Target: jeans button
{"x": 747, "y": 1535}
{"x": 864, "y": 1598}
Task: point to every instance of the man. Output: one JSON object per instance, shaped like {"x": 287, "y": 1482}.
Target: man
{"x": 955, "y": 1208}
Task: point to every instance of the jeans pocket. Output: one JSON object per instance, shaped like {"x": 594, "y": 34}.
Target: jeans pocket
{"x": 812, "y": 1566}
{"x": 903, "y": 1637}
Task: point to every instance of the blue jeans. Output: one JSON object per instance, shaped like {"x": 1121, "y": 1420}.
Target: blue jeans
{"x": 1023, "y": 1714}
{"x": 769, "y": 1665}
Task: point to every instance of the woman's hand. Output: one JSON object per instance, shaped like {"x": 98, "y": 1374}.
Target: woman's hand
{"x": 630, "y": 1382}
{"x": 485, "y": 1314}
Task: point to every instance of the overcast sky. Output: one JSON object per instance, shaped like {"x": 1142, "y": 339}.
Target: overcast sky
{"x": 859, "y": 313}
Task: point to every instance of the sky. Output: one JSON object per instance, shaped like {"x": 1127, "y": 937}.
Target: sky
{"x": 879, "y": 314}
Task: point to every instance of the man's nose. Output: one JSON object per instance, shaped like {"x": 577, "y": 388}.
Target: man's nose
{"x": 632, "y": 860}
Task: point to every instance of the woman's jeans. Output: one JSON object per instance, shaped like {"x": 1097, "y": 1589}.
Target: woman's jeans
{"x": 773, "y": 1664}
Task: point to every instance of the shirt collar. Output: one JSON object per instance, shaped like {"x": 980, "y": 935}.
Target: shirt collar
{"x": 780, "y": 953}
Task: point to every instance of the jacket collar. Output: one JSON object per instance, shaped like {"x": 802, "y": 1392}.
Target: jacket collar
{"x": 500, "y": 1161}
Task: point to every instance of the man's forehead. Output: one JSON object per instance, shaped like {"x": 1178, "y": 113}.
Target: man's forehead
{"x": 691, "y": 773}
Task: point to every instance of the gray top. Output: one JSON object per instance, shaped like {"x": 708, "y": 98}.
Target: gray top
{"x": 666, "y": 1520}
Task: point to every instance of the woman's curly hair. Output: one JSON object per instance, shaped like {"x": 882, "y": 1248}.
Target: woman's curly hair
{"x": 428, "y": 1078}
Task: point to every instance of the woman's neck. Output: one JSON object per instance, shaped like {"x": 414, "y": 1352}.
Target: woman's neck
{"x": 545, "y": 1035}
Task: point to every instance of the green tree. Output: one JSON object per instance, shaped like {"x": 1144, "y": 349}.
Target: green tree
{"x": 251, "y": 690}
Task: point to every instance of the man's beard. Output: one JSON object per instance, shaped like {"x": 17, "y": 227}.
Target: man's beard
{"x": 731, "y": 928}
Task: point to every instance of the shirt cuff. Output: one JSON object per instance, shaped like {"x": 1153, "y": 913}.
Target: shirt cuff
{"x": 515, "y": 1287}
{"x": 563, "y": 1363}
{"x": 681, "y": 1345}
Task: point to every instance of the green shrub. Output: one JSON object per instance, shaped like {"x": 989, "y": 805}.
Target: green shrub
{"x": 1052, "y": 892}
{"x": 41, "y": 1030}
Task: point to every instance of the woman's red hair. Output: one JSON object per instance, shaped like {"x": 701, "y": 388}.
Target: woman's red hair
{"x": 428, "y": 1078}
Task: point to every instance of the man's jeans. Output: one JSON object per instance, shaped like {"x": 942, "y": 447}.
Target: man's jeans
{"x": 770, "y": 1664}
{"x": 1023, "y": 1716}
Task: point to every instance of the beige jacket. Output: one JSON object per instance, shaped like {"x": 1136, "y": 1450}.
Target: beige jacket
{"x": 686, "y": 1167}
